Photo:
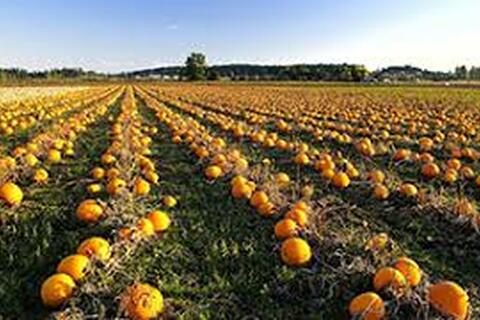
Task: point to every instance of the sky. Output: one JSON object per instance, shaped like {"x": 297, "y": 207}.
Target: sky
{"x": 123, "y": 35}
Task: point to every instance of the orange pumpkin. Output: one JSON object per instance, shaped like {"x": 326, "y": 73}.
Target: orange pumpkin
{"x": 389, "y": 277}
{"x": 142, "y": 302}
{"x": 295, "y": 252}
{"x": 160, "y": 220}
{"x": 449, "y": 298}
{"x": 89, "y": 211}
{"x": 367, "y": 306}
{"x": 430, "y": 170}
{"x": 410, "y": 270}
{"x": 286, "y": 228}
{"x": 341, "y": 180}
{"x": 11, "y": 193}
{"x": 57, "y": 289}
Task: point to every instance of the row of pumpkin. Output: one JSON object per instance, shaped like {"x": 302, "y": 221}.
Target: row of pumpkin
{"x": 447, "y": 297}
{"x": 128, "y": 141}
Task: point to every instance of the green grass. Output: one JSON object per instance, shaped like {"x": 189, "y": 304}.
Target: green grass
{"x": 220, "y": 259}
{"x": 36, "y": 235}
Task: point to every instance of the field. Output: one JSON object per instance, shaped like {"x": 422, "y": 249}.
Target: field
{"x": 239, "y": 202}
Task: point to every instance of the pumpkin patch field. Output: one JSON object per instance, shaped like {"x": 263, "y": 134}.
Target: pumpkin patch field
{"x": 239, "y": 201}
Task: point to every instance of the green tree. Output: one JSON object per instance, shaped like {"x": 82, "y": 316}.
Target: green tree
{"x": 359, "y": 72}
{"x": 213, "y": 75}
{"x": 196, "y": 67}
{"x": 474, "y": 73}
{"x": 461, "y": 72}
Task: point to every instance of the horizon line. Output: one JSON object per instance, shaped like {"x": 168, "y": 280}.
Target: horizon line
{"x": 159, "y": 66}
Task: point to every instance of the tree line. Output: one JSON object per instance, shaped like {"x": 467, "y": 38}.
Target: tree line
{"x": 462, "y": 72}
{"x": 197, "y": 69}
{"x": 16, "y": 74}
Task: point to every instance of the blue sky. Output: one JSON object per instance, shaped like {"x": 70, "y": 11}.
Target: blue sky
{"x": 115, "y": 35}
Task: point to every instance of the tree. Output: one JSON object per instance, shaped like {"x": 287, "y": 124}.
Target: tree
{"x": 213, "y": 75}
{"x": 359, "y": 72}
{"x": 474, "y": 73}
{"x": 461, "y": 72}
{"x": 196, "y": 67}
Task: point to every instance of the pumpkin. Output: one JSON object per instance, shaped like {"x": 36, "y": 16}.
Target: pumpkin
{"x": 307, "y": 191}
{"x": 176, "y": 139}
{"x": 95, "y": 247}
{"x": 40, "y": 176}
{"x": 89, "y": 211}
{"x": 425, "y": 143}
{"x": 454, "y": 164}
{"x": 11, "y": 193}
{"x": 367, "y": 306}
{"x": 410, "y": 270}
{"x": 408, "y": 190}
{"x": 258, "y": 198}
{"x": 213, "y": 172}
{"x": 450, "y": 176}
{"x": 146, "y": 227}
{"x": 430, "y": 170}
{"x": 389, "y": 277}
{"x": 352, "y": 172}
{"x": 8, "y": 163}
{"x": 266, "y": 209}
{"x": 107, "y": 159}
{"x": 57, "y": 289}
{"x": 324, "y": 164}
{"x": 426, "y": 157}
{"x": 380, "y": 192}
{"x": 142, "y": 302}
{"x": 402, "y": 154}
{"x": 376, "y": 176}
{"x": 115, "y": 185}
{"x": 286, "y": 228}
{"x": 341, "y": 180}
{"x": 58, "y": 144}
{"x": 295, "y": 252}
{"x": 266, "y": 161}
{"x": 112, "y": 173}
{"x": 160, "y": 220}
{"x": 299, "y": 216}
{"x": 94, "y": 188}
{"x": 169, "y": 201}
{"x": 377, "y": 242}
{"x": 328, "y": 174}
{"x": 449, "y": 298}
{"x": 151, "y": 176}
{"x": 467, "y": 172}
{"x": 240, "y": 165}
{"x": 54, "y": 156}
{"x": 31, "y": 160}
{"x": 269, "y": 143}
{"x": 301, "y": 159}
{"x": 242, "y": 190}
{"x": 75, "y": 266}
{"x": 238, "y": 180}
{"x": 302, "y": 205}
{"x": 282, "y": 179}
{"x": 141, "y": 187}
{"x": 365, "y": 147}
